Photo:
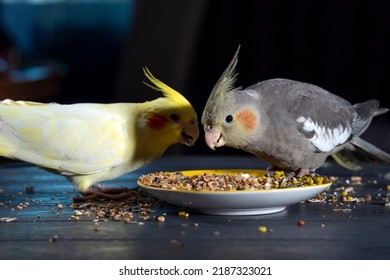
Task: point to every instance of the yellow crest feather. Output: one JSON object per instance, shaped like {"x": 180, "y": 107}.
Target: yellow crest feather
{"x": 168, "y": 92}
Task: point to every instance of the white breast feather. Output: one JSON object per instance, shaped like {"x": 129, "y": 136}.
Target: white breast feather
{"x": 325, "y": 139}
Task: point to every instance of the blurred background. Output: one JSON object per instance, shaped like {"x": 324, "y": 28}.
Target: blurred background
{"x": 70, "y": 51}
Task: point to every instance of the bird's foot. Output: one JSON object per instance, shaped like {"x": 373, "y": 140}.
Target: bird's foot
{"x": 298, "y": 173}
{"x": 271, "y": 170}
{"x": 99, "y": 191}
{"x": 289, "y": 176}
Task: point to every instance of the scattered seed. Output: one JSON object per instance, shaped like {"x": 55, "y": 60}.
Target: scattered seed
{"x": 160, "y": 219}
{"x": 7, "y": 219}
{"x": 321, "y": 197}
{"x": 78, "y": 213}
{"x": 183, "y": 214}
{"x": 262, "y": 229}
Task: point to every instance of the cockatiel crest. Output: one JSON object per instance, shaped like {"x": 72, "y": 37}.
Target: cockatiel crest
{"x": 90, "y": 143}
{"x": 224, "y": 88}
{"x": 292, "y": 125}
{"x": 172, "y": 101}
{"x": 173, "y": 98}
{"x": 236, "y": 118}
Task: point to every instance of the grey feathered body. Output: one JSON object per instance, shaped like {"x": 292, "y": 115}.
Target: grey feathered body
{"x": 293, "y": 125}
{"x": 301, "y": 124}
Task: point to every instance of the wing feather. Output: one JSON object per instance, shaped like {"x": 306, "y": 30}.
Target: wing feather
{"x": 73, "y": 139}
{"x": 322, "y": 117}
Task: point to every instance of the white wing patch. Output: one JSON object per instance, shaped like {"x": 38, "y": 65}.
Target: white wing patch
{"x": 325, "y": 139}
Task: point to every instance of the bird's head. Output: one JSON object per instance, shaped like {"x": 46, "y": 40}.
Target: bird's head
{"x": 230, "y": 116}
{"x": 172, "y": 117}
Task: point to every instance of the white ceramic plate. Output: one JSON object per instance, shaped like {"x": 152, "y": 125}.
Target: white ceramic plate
{"x": 235, "y": 202}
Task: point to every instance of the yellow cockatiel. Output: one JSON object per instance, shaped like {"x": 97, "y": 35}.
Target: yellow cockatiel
{"x": 90, "y": 143}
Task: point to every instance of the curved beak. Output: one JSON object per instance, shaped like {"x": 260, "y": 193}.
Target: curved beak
{"x": 190, "y": 133}
{"x": 213, "y": 137}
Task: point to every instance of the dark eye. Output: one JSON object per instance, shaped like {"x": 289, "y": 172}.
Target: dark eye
{"x": 229, "y": 119}
{"x": 174, "y": 117}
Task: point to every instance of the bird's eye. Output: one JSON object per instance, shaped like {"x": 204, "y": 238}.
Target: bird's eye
{"x": 229, "y": 119}
{"x": 174, "y": 117}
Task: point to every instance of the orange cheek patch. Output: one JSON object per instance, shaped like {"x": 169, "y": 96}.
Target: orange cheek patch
{"x": 247, "y": 118}
{"x": 156, "y": 121}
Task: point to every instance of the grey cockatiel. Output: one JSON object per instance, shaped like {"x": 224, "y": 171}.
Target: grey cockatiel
{"x": 292, "y": 125}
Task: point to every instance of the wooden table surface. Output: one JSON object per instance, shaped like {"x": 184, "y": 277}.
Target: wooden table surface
{"x": 332, "y": 230}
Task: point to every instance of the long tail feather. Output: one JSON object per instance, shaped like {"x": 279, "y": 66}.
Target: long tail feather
{"x": 347, "y": 159}
{"x": 371, "y": 149}
{"x": 381, "y": 111}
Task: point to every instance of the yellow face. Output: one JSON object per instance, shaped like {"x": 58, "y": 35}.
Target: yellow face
{"x": 173, "y": 115}
{"x": 182, "y": 125}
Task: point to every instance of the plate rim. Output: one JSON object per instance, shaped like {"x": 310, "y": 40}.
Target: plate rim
{"x": 229, "y": 192}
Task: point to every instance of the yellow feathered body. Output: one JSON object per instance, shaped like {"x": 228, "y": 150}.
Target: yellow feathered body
{"x": 90, "y": 143}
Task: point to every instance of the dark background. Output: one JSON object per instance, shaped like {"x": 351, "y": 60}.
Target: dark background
{"x": 342, "y": 46}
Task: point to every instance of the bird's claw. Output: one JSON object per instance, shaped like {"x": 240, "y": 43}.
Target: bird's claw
{"x": 99, "y": 191}
{"x": 101, "y": 195}
{"x": 282, "y": 182}
{"x": 285, "y": 179}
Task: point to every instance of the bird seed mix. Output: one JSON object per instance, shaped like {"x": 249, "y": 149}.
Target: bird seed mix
{"x": 224, "y": 182}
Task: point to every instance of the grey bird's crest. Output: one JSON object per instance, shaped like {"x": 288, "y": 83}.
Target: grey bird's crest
{"x": 224, "y": 84}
